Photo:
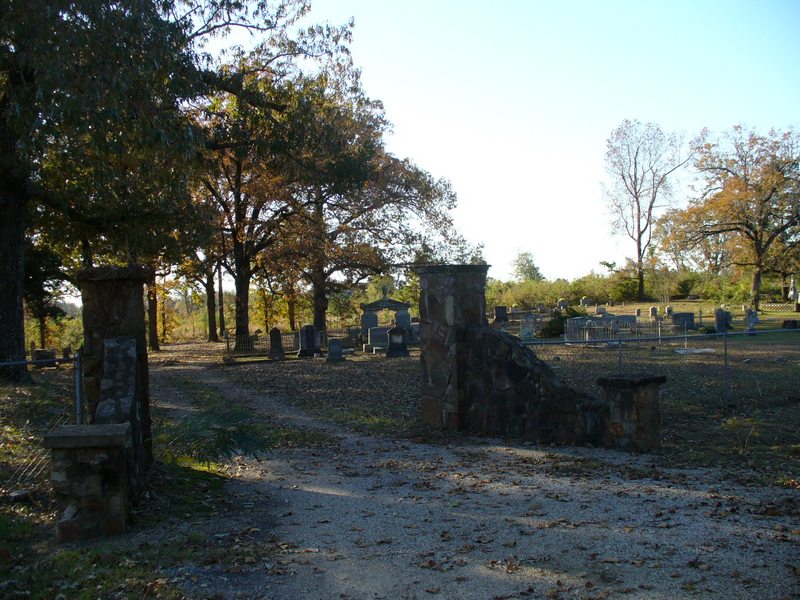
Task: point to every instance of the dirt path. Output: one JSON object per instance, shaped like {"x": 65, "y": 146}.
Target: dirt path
{"x": 379, "y": 518}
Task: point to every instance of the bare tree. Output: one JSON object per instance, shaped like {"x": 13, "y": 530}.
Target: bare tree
{"x": 640, "y": 159}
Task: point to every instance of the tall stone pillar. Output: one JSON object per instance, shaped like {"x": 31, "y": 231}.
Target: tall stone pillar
{"x": 452, "y": 299}
{"x": 113, "y": 306}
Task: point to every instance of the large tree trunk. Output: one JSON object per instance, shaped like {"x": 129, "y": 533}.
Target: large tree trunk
{"x": 43, "y": 331}
{"x": 290, "y": 312}
{"x": 221, "y": 304}
{"x": 755, "y": 288}
{"x": 242, "y": 281}
{"x": 152, "y": 317}
{"x": 211, "y": 307}
{"x": 320, "y": 304}
{"x": 12, "y": 274}
{"x": 163, "y": 338}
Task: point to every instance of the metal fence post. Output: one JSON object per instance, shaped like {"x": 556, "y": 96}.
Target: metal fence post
{"x": 725, "y": 372}
{"x": 78, "y": 389}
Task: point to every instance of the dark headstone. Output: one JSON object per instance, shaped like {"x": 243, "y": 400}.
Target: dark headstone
{"x": 276, "y": 344}
{"x": 335, "y": 351}
{"x": 309, "y": 346}
{"x": 722, "y": 320}
{"x": 368, "y": 320}
{"x": 378, "y": 337}
{"x": 49, "y": 356}
{"x": 397, "y": 343}
{"x": 683, "y": 320}
{"x": 403, "y": 319}
{"x": 500, "y": 314}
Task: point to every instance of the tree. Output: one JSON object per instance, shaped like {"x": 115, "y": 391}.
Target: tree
{"x": 44, "y": 287}
{"x": 640, "y": 161}
{"x": 93, "y": 123}
{"x": 525, "y": 268}
{"x": 359, "y": 208}
{"x": 752, "y": 194}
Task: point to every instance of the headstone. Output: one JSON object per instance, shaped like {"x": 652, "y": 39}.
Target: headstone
{"x": 500, "y": 314}
{"x": 599, "y": 310}
{"x": 397, "y": 343}
{"x": 722, "y": 320}
{"x": 403, "y": 319}
{"x": 43, "y": 354}
{"x": 527, "y": 328}
{"x": 638, "y": 312}
{"x": 377, "y": 337}
{"x": 335, "y": 351}
{"x": 586, "y": 301}
{"x": 540, "y": 307}
{"x": 309, "y": 346}
{"x": 668, "y": 311}
{"x": 276, "y": 344}
{"x": 750, "y": 319}
{"x": 562, "y": 304}
{"x": 683, "y": 320}
{"x": 368, "y": 320}
{"x": 653, "y": 312}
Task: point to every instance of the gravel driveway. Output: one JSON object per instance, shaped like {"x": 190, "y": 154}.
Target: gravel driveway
{"x": 372, "y": 517}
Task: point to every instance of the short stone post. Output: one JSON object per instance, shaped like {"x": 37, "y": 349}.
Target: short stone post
{"x": 89, "y": 476}
{"x": 452, "y": 298}
{"x": 632, "y": 414}
{"x": 276, "y": 344}
{"x": 113, "y": 306}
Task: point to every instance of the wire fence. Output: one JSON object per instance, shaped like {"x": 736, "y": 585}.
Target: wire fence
{"x": 749, "y": 370}
{"x": 47, "y": 396}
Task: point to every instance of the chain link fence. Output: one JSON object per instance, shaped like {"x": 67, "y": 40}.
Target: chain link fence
{"x": 46, "y": 396}
{"x": 732, "y": 370}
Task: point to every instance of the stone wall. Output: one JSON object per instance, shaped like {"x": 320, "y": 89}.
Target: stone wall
{"x": 479, "y": 379}
{"x": 511, "y": 392}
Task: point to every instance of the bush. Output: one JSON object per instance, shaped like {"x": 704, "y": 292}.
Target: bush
{"x": 555, "y": 326}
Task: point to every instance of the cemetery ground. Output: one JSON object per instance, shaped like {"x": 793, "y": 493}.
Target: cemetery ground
{"x": 305, "y": 479}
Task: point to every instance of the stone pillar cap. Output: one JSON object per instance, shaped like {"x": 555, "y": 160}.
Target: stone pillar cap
{"x": 444, "y": 268}
{"x": 131, "y": 272}
{"x": 88, "y": 436}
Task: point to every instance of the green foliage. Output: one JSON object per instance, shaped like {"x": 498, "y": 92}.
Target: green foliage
{"x": 555, "y": 326}
{"x": 217, "y": 430}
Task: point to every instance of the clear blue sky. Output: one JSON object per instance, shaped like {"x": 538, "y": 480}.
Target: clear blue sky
{"x": 513, "y": 101}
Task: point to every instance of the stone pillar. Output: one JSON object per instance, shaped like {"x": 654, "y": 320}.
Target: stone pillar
{"x": 89, "y": 479}
{"x": 113, "y": 306}
{"x": 632, "y": 414}
{"x": 452, "y": 299}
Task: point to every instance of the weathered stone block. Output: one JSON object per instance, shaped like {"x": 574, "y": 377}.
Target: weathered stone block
{"x": 632, "y": 413}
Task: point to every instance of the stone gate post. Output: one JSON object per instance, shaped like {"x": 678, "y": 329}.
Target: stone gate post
{"x": 452, "y": 298}
{"x": 113, "y": 306}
